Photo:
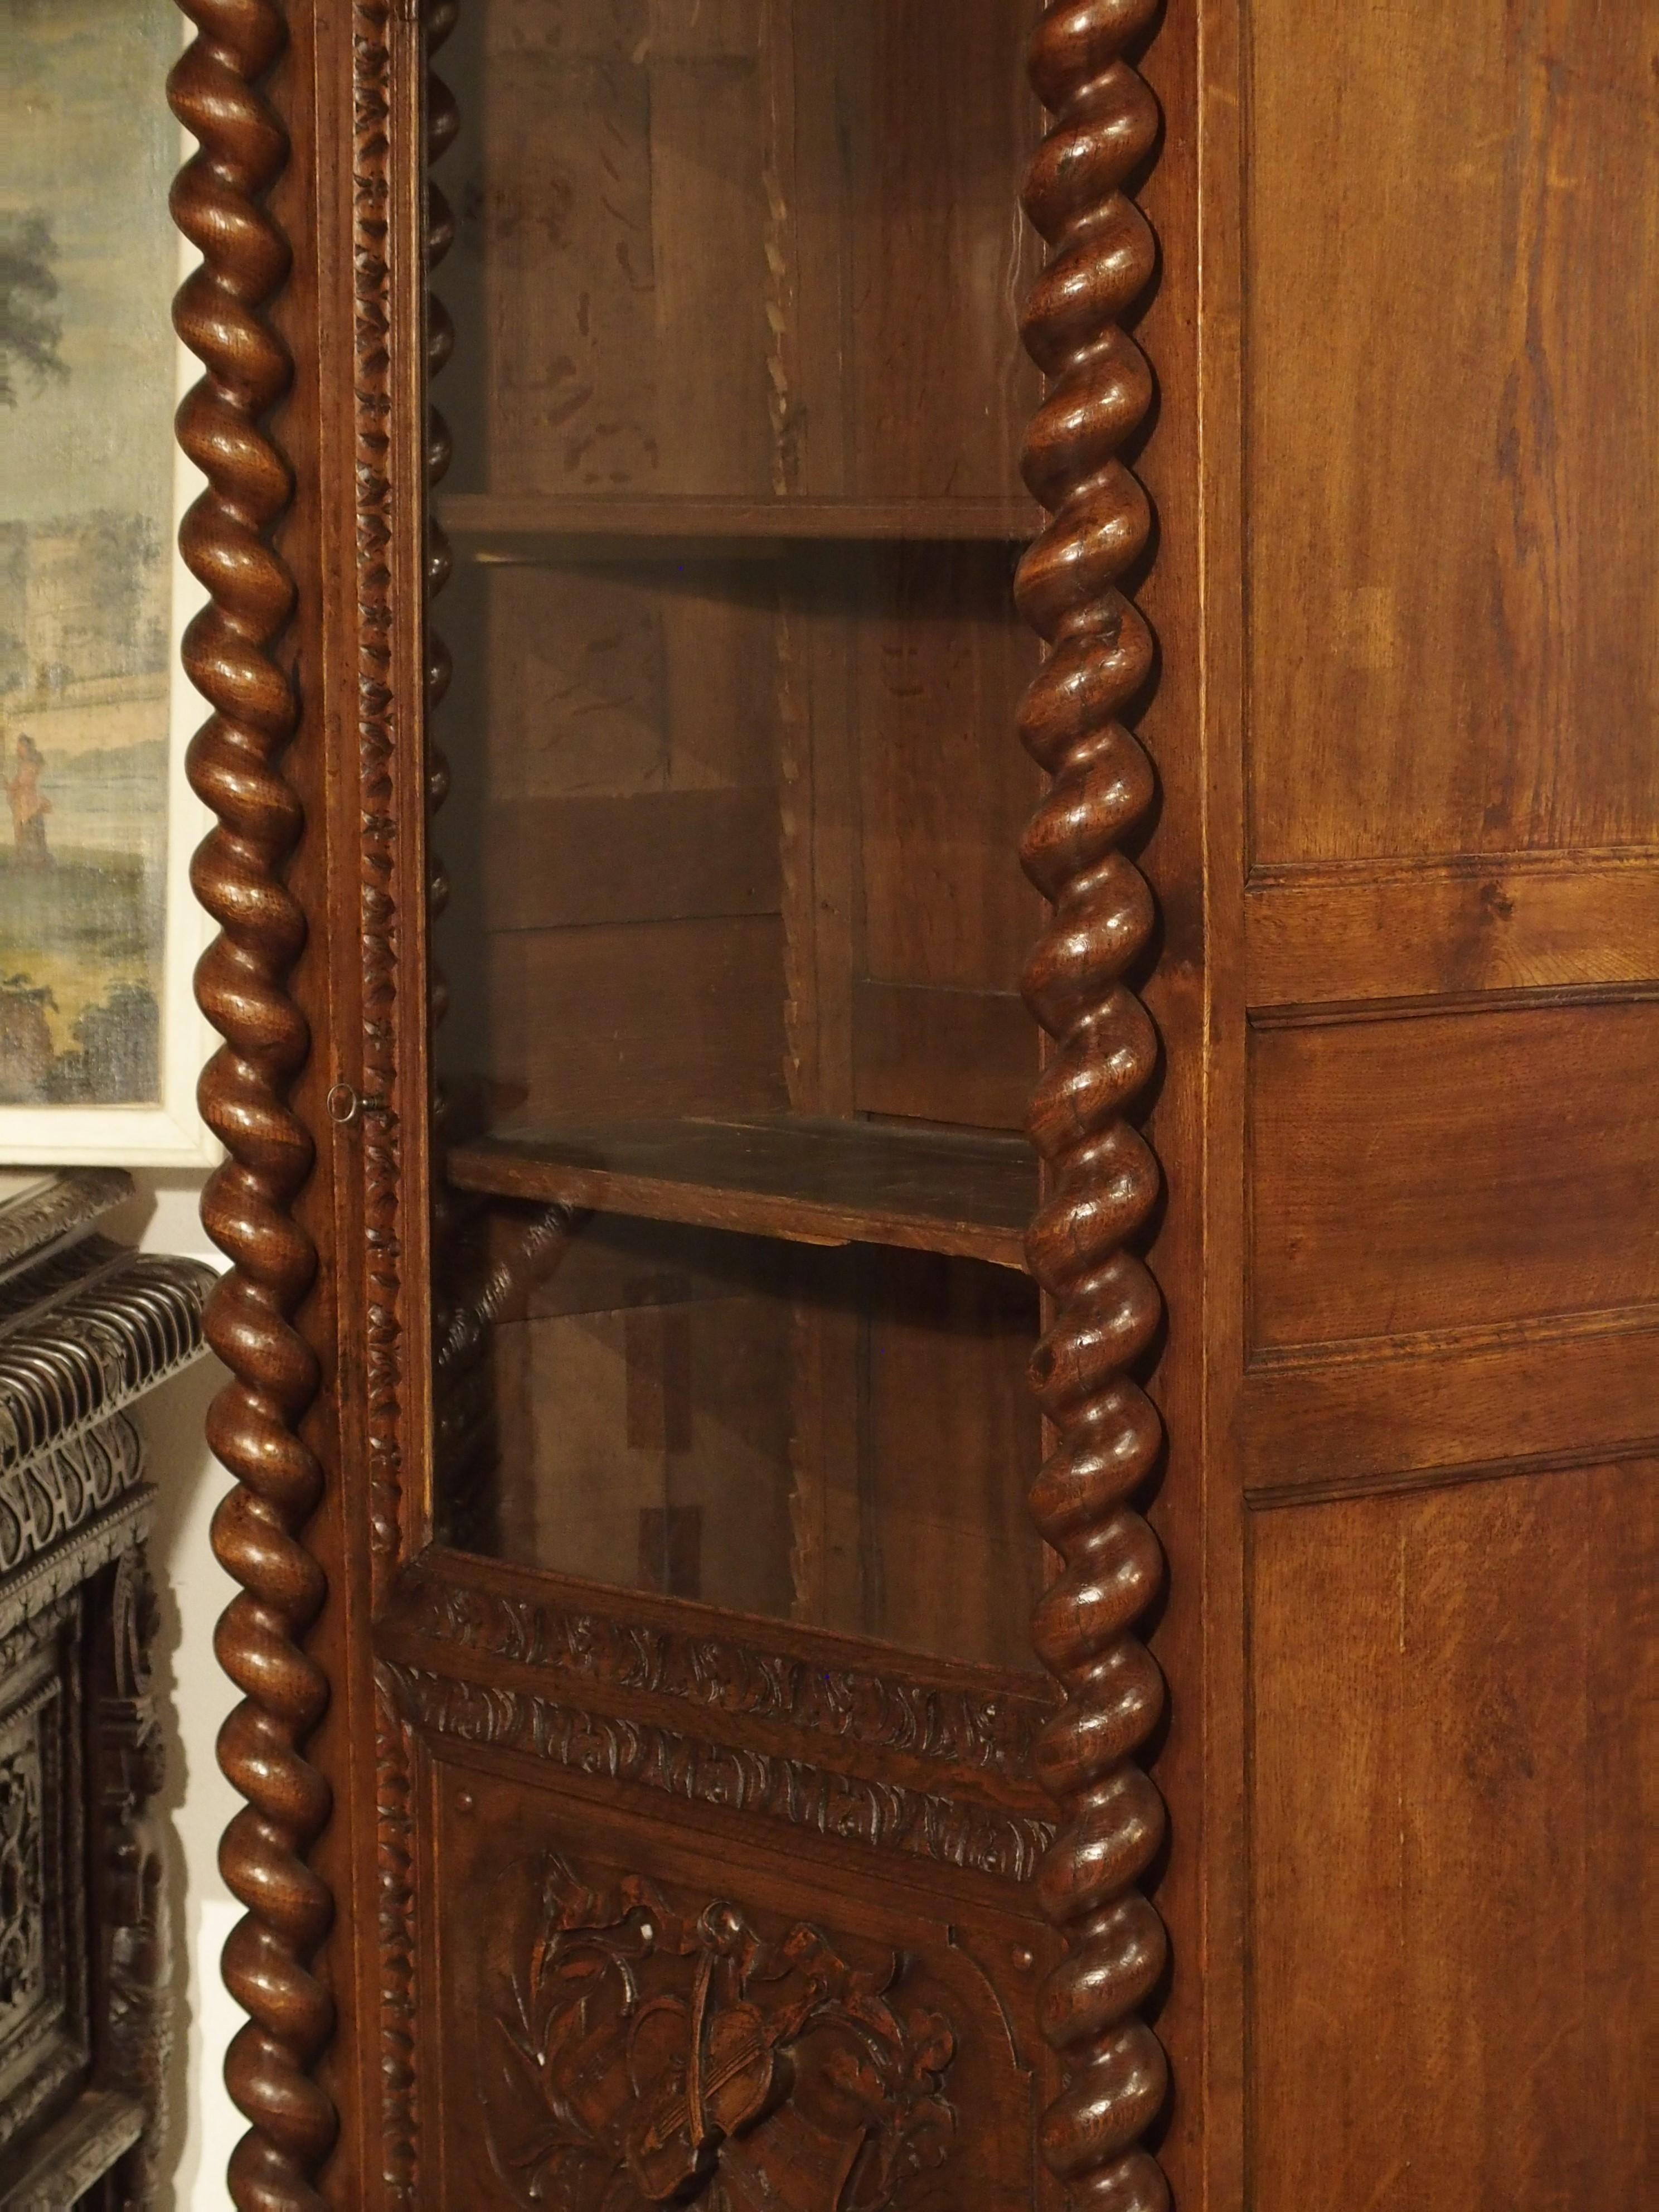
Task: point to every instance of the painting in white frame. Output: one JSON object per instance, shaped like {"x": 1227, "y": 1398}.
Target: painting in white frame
{"x": 101, "y": 1042}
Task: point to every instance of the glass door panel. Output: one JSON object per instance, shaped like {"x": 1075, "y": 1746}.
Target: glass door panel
{"x": 731, "y": 1191}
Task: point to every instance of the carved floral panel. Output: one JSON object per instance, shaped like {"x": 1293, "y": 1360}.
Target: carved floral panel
{"x": 640, "y": 2049}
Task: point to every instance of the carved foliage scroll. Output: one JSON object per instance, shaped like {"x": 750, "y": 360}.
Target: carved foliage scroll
{"x": 1101, "y": 1180}
{"x": 993, "y": 1733}
{"x": 884, "y": 1816}
{"x": 634, "y": 2054}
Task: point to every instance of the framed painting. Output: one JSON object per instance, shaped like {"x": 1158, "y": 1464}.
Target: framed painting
{"x": 101, "y": 1042}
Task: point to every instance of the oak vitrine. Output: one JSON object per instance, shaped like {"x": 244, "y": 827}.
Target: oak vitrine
{"x": 937, "y": 959}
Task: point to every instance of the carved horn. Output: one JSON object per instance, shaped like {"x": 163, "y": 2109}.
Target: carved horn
{"x": 229, "y": 650}
{"x": 1101, "y": 1180}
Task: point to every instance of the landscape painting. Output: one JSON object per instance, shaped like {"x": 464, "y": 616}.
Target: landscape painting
{"x": 90, "y": 978}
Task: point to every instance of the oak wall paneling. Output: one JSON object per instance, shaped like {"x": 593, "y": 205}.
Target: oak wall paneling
{"x": 1432, "y": 862}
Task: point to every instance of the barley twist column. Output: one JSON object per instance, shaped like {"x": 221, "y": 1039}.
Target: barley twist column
{"x": 235, "y": 765}
{"x": 1101, "y": 1180}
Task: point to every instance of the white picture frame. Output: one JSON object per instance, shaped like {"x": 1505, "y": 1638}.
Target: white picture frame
{"x": 164, "y": 1129}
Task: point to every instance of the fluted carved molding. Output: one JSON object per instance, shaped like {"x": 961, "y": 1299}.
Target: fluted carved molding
{"x": 1101, "y": 1180}
{"x": 231, "y": 651}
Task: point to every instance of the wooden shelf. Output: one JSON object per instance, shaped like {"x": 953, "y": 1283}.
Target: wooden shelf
{"x": 804, "y": 1180}
{"x": 518, "y": 525}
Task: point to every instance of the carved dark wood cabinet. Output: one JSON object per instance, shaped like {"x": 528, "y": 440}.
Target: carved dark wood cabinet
{"x": 940, "y": 983}
{"x": 86, "y": 2022}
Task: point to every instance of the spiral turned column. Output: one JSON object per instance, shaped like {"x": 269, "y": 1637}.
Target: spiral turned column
{"x": 229, "y": 650}
{"x": 1101, "y": 1180}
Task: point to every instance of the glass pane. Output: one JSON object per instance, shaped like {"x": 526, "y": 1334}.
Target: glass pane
{"x": 734, "y": 1060}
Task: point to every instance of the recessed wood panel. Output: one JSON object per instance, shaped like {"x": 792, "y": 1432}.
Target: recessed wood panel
{"x": 587, "y": 1955}
{"x": 1452, "y": 1170}
{"x": 1417, "y": 930}
{"x": 1453, "y": 428}
{"x": 1450, "y": 1819}
{"x": 936, "y": 384}
{"x": 1539, "y": 1392}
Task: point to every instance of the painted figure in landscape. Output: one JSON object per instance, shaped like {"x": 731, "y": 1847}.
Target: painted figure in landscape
{"x": 29, "y": 805}
{"x": 86, "y": 503}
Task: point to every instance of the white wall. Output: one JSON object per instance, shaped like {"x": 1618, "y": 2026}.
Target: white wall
{"x": 193, "y": 1591}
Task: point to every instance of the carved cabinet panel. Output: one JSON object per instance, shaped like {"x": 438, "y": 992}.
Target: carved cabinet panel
{"x": 643, "y": 2014}
{"x": 935, "y": 844}
{"x": 86, "y": 2005}
{"x": 44, "y": 2029}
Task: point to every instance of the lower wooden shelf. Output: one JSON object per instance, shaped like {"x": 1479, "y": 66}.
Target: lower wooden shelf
{"x": 967, "y": 1195}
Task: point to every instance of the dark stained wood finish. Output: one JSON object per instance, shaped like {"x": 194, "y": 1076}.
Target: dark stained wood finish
{"x": 86, "y": 2001}
{"x": 561, "y": 862}
{"x": 813, "y": 1181}
{"x": 930, "y": 2066}
{"x": 1407, "y": 1410}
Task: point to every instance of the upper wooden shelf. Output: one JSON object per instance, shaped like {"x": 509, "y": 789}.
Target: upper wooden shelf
{"x": 802, "y": 1179}
{"x": 513, "y": 526}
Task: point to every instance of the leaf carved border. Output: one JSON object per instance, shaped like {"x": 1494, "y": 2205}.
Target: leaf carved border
{"x": 964, "y": 1728}
{"x": 379, "y": 730}
{"x": 395, "y": 1930}
{"x": 886, "y": 1816}
{"x": 385, "y": 722}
